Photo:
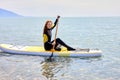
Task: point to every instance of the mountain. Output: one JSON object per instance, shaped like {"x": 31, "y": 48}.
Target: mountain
{"x": 6, "y": 13}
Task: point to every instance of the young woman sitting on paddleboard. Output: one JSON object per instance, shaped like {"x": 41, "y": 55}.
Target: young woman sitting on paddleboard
{"x": 47, "y": 34}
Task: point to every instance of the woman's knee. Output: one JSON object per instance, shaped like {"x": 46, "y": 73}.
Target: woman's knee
{"x": 58, "y": 39}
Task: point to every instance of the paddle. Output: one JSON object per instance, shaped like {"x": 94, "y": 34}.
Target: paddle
{"x": 50, "y": 58}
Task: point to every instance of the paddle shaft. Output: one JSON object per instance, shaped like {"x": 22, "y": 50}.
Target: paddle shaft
{"x": 54, "y": 41}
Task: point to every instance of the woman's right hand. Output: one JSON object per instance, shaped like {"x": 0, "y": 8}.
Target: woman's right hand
{"x": 54, "y": 43}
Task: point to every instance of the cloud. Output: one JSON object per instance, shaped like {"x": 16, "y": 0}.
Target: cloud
{"x": 63, "y": 7}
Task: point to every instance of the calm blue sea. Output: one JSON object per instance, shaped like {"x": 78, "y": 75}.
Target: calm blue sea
{"x": 83, "y": 32}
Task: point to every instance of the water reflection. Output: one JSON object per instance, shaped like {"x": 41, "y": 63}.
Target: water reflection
{"x": 50, "y": 69}
{"x": 3, "y": 54}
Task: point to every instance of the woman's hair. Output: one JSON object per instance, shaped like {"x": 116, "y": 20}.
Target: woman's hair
{"x": 45, "y": 26}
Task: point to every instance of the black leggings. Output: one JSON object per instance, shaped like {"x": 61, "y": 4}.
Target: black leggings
{"x": 60, "y": 42}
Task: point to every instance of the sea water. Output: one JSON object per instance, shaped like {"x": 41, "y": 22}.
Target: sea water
{"x": 78, "y": 32}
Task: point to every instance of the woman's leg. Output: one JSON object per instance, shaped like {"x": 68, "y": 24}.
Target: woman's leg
{"x": 57, "y": 48}
{"x": 59, "y": 41}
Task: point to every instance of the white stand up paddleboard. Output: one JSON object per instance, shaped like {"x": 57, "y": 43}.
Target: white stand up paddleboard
{"x": 39, "y": 51}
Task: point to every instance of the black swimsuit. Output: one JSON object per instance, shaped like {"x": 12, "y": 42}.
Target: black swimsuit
{"x": 47, "y": 38}
{"x": 48, "y": 43}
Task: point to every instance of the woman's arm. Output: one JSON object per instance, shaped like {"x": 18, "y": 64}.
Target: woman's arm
{"x": 56, "y": 21}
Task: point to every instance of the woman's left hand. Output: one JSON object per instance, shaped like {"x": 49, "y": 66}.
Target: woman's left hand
{"x": 58, "y": 17}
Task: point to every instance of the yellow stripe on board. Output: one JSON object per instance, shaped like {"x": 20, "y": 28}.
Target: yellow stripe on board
{"x": 35, "y": 49}
{"x": 64, "y": 52}
{"x": 41, "y": 49}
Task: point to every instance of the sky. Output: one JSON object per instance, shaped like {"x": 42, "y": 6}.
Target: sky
{"x": 66, "y": 8}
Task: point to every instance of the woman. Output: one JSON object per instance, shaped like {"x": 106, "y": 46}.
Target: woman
{"x": 47, "y": 34}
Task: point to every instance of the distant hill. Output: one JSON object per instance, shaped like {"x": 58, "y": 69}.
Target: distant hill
{"x": 6, "y": 13}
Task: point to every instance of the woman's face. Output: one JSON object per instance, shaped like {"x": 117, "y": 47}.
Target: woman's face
{"x": 49, "y": 25}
